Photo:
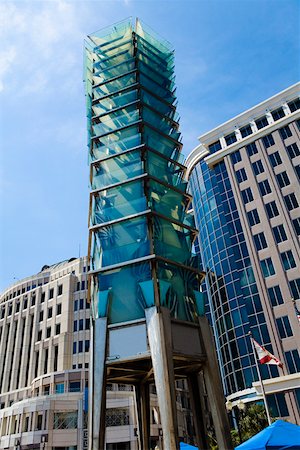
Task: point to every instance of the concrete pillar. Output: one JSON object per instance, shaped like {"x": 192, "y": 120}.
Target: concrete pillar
{"x": 213, "y": 386}
{"x": 160, "y": 342}
{"x": 143, "y": 413}
{"x": 195, "y": 392}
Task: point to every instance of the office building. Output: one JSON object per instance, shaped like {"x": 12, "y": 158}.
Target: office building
{"x": 244, "y": 177}
{"x": 44, "y": 365}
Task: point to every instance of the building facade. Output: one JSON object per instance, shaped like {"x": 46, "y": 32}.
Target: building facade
{"x": 244, "y": 177}
{"x": 44, "y": 365}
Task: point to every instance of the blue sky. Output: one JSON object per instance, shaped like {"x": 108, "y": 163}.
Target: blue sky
{"x": 230, "y": 55}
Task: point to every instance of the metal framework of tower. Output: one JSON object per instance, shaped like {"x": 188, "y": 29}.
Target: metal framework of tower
{"x": 147, "y": 308}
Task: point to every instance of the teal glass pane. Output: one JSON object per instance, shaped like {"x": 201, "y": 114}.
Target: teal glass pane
{"x": 156, "y": 88}
{"x": 115, "y": 170}
{"x": 115, "y": 70}
{"x": 165, "y": 108}
{"x": 180, "y": 296}
{"x": 126, "y": 48}
{"x": 114, "y": 101}
{"x": 156, "y": 75}
{"x": 121, "y": 242}
{"x": 122, "y": 308}
{"x": 165, "y": 170}
{"x": 114, "y": 86}
{"x": 172, "y": 241}
{"x": 116, "y": 143}
{"x": 116, "y": 120}
{"x": 162, "y": 144}
{"x": 117, "y": 202}
{"x": 167, "y": 201}
{"x": 162, "y": 123}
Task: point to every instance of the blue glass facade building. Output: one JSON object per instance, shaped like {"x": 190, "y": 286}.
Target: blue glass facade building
{"x": 244, "y": 178}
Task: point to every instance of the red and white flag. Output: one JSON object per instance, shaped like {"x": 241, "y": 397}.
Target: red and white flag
{"x": 264, "y": 356}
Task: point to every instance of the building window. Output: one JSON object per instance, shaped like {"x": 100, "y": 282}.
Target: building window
{"x": 283, "y": 179}
{"x": 43, "y": 297}
{"x": 295, "y": 288}
{"x": 247, "y": 195}
{"x": 39, "y": 422}
{"x": 260, "y": 241}
{"x": 41, "y": 316}
{"x": 39, "y": 336}
{"x": 80, "y": 346}
{"x": 65, "y": 420}
{"x": 51, "y": 293}
{"x": 86, "y": 345}
{"x": 75, "y": 305}
{"x": 236, "y": 157}
{"x": 17, "y": 307}
{"x": 264, "y": 187}
{"x": 117, "y": 417}
{"x": 297, "y": 170}
{"x": 214, "y": 147}
{"x": 83, "y": 285}
{"x": 296, "y": 223}
{"x": 262, "y": 122}
{"x": 294, "y": 105}
{"x": 275, "y": 296}
{"x": 74, "y": 347}
{"x": 50, "y": 310}
{"x": 287, "y": 259}
{"x": 279, "y": 233}
{"x": 87, "y": 323}
{"x": 48, "y": 332}
{"x": 258, "y": 167}
{"x": 275, "y": 159}
{"x": 277, "y": 405}
{"x": 241, "y": 175}
{"x": 33, "y": 300}
{"x": 253, "y": 217}
{"x": 230, "y": 138}
{"x": 293, "y": 361}
{"x": 268, "y": 141}
{"x": 284, "y": 327}
{"x": 246, "y": 131}
{"x": 57, "y": 328}
{"x": 285, "y": 132}
{"x": 251, "y": 149}
{"x": 278, "y": 114}
{"x": 59, "y": 388}
{"x": 291, "y": 201}
{"x": 80, "y": 324}
{"x": 267, "y": 267}
{"x": 74, "y": 386}
{"x": 293, "y": 150}
{"x": 81, "y": 303}
{"x": 75, "y": 325}
{"x": 60, "y": 289}
{"x": 25, "y": 304}
{"x": 58, "y": 309}
{"x": 272, "y": 209}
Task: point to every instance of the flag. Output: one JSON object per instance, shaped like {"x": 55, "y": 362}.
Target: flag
{"x": 264, "y": 356}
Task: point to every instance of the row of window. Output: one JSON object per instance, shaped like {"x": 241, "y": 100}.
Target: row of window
{"x": 81, "y": 346}
{"x": 262, "y": 122}
{"x": 81, "y": 304}
{"x": 48, "y": 332}
{"x": 272, "y": 211}
{"x": 265, "y": 188}
{"x": 78, "y": 325}
{"x": 50, "y": 312}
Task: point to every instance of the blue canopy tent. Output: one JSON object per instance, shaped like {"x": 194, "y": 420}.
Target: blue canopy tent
{"x": 279, "y": 435}
{"x": 184, "y": 446}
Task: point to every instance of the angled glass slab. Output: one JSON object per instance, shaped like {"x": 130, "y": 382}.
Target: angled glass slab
{"x": 115, "y": 120}
{"x": 114, "y": 101}
{"x": 116, "y": 143}
{"x": 121, "y": 201}
{"x": 114, "y": 86}
{"x": 128, "y": 305}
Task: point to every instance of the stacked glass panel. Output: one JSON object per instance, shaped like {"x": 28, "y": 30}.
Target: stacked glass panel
{"x": 141, "y": 236}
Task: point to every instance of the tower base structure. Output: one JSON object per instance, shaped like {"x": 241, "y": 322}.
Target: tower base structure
{"x": 159, "y": 350}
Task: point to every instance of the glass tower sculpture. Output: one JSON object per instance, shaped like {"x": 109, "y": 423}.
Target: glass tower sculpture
{"x": 144, "y": 280}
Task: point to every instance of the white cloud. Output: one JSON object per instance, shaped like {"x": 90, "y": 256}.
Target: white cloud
{"x": 43, "y": 49}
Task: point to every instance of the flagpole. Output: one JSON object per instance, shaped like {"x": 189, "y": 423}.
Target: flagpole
{"x": 260, "y": 380}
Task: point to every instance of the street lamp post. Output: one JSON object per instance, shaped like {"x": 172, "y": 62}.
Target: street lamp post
{"x": 236, "y": 414}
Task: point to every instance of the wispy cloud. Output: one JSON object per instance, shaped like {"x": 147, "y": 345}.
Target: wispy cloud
{"x": 43, "y": 34}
